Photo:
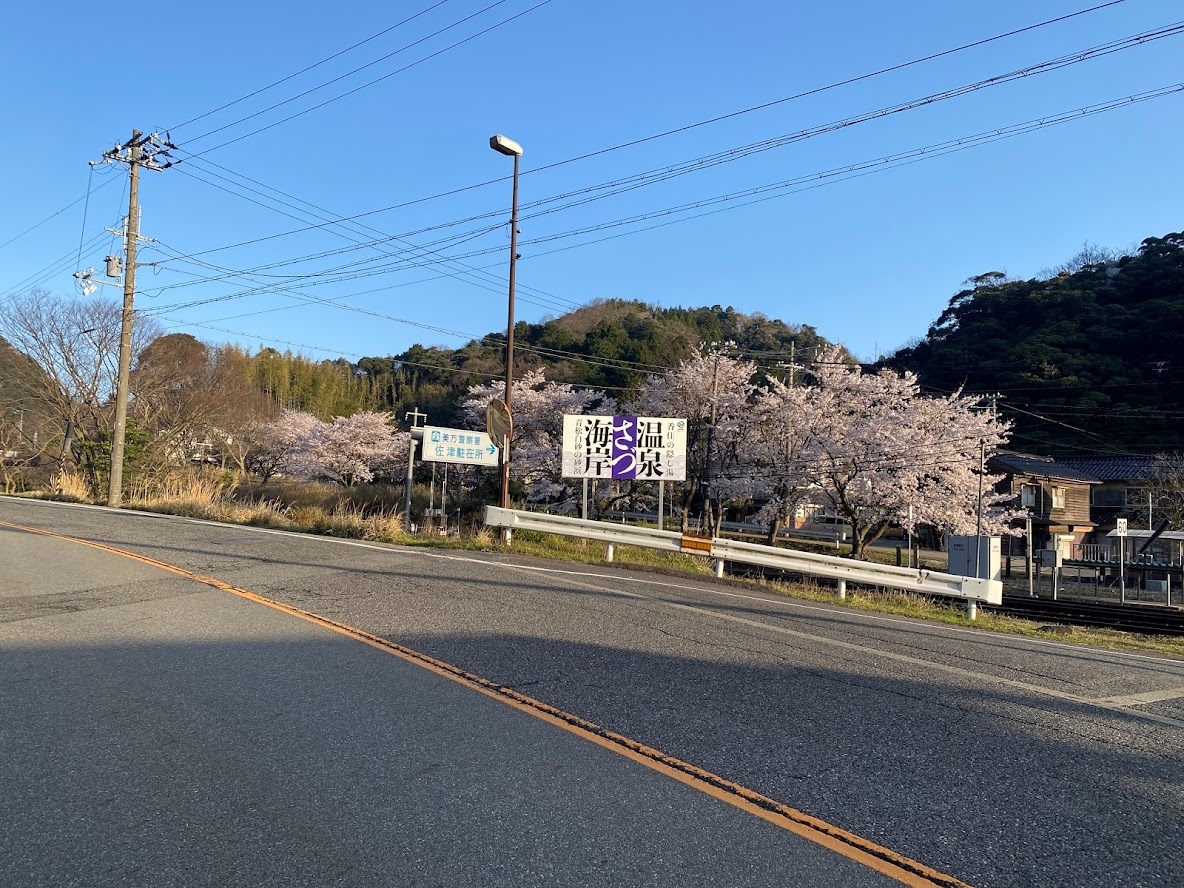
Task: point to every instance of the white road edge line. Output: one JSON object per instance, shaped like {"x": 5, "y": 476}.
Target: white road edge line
{"x": 1144, "y": 698}
{"x": 980, "y": 677}
{"x": 1018, "y": 641}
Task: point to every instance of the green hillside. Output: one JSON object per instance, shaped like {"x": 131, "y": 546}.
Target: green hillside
{"x": 613, "y": 343}
{"x": 1091, "y": 358}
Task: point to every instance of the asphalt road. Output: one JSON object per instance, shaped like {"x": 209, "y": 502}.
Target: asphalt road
{"x": 157, "y": 732}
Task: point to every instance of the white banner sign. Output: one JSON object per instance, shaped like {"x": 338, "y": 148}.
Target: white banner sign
{"x": 458, "y": 446}
{"x": 645, "y": 448}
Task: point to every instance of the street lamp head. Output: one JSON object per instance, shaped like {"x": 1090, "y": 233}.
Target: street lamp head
{"x": 502, "y": 145}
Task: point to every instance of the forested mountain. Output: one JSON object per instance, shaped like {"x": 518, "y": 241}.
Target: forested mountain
{"x": 1088, "y": 357}
{"x": 1091, "y": 358}
{"x": 13, "y": 366}
{"x": 612, "y": 343}
{"x": 19, "y": 375}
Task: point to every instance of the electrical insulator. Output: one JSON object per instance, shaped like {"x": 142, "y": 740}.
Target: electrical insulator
{"x": 114, "y": 266}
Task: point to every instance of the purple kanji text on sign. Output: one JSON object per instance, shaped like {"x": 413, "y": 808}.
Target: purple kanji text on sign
{"x": 624, "y": 464}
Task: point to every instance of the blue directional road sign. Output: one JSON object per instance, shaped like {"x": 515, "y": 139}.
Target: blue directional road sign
{"x": 458, "y": 446}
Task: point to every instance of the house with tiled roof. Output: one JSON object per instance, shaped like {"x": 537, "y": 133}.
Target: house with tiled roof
{"x": 1126, "y": 487}
{"x": 1055, "y": 496}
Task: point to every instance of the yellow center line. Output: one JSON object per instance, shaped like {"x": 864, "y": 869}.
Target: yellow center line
{"x": 854, "y": 847}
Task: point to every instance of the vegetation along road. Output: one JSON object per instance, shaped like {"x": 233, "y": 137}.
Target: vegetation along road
{"x": 242, "y": 706}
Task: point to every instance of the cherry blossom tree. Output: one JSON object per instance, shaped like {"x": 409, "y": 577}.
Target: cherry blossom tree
{"x": 353, "y": 449}
{"x": 712, "y": 391}
{"x": 537, "y": 408}
{"x": 280, "y": 445}
{"x": 774, "y": 448}
{"x": 349, "y": 450}
{"x": 869, "y": 446}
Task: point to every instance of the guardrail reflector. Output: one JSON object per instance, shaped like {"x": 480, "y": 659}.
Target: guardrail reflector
{"x": 695, "y": 545}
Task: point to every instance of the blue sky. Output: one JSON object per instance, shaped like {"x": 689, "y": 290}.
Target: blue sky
{"x": 870, "y": 261}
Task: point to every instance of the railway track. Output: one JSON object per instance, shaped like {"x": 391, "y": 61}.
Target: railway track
{"x": 1142, "y": 619}
{"x": 1146, "y": 620}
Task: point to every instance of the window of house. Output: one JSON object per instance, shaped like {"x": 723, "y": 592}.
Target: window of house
{"x": 1058, "y": 497}
{"x": 1030, "y": 496}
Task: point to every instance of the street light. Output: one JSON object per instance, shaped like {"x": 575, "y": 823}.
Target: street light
{"x": 509, "y": 147}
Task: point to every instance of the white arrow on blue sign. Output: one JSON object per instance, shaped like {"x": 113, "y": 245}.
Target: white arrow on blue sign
{"x": 458, "y": 446}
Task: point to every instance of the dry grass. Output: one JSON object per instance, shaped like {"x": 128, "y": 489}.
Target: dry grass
{"x": 72, "y": 487}
{"x": 179, "y": 495}
{"x": 365, "y": 498}
{"x": 318, "y": 509}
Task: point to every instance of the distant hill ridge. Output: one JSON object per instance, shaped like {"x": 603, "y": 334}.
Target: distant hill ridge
{"x": 1090, "y": 359}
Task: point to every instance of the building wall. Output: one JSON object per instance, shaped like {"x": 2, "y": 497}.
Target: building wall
{"x": 1075, "y": 510}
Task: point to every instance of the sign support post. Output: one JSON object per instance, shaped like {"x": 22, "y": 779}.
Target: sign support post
{"x": 407, "y": 486}
{"x": 1120, "y": 529}
{"x": 416, "y": 430}
{"x": 1029, "y": 555}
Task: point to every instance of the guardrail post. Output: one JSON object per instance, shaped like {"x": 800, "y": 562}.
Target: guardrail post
{"x": 608, "y": 554}
{"x": 971, "y": 609}
{"x": 841, "y": 590}
{"x": 719, "y": 568}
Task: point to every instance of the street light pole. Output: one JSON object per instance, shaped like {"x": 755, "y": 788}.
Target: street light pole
{"x": 509, "y": 147}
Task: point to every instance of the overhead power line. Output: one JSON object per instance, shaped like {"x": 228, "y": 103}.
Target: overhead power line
{"x": 467, "y": 273}
{"x": 308, "y": 68}
{"x": 622, "y": 145}
{"x": 59, "y": 266}
{"x": 491, "y": 338}
{"x": 821, "y": 89}
{"x": 844, "y": 174}
{"x": 89, "y": 191}
{"x": 376, "y": 80}
{"x": 341, "y": 77}
{"x": 697, "y": 164}
{"x": 733, "y": 200}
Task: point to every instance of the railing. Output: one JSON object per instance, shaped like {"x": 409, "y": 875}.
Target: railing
{"x": 602, "y": 531}
{"x": 837, "y": 534}
{"x": 843, "y": 570}
{"x": 864, "y": 573}
{"x": 1093, "y": 552}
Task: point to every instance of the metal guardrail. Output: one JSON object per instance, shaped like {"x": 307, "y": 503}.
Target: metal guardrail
{"x": 841, "y": 534}
{"x": 865, "y": 573}
{"x": 843, "y": 570}
{"x": 618, "y": 534}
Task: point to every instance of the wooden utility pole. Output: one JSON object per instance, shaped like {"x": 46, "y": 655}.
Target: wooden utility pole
{"x": 139, "y": 151}
{"x": 119, "y": 433}
{"x": 792, "y": 366}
